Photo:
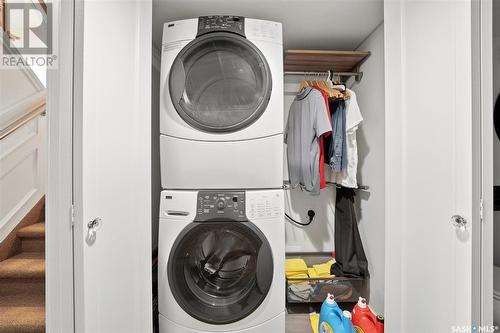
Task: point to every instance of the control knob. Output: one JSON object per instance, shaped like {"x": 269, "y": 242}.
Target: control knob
{"x": 221, "y": 204}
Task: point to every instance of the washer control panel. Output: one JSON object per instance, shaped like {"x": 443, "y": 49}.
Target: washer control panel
{"x": 235, "y": 24}
{"x": 224, "y": 205}
{"x": 265, "y": 205}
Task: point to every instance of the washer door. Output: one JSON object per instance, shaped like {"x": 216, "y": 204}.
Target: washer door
{"x": 220, "y": 272}
{"x": 220, "y": 83}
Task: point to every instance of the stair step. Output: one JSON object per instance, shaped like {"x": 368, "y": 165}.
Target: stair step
{"x": 10, "y": 287}
{"x": 26, "y": 265}
{"x": 24, "y": 313}
{"x": 36, "y": 230}
{"x": 33, "y": 245}
{"x": 22, "y": 319}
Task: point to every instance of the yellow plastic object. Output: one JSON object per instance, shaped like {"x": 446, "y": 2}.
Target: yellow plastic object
{"x": 296, "y": 275}
{"x": 312, "y": 273}
{"x": 296, "y": 265}
{"x": 323, "y": 270}
{"x": 314, "y": 320}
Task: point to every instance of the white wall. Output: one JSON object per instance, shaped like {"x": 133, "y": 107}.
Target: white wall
{"x": 371, "y": 145}
{"x": 20, "y": 92}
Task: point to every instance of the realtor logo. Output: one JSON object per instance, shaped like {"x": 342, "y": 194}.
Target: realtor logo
{"x": 27, "y": 28}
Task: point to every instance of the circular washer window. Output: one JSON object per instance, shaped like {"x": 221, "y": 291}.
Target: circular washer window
{"x": 220, "y": 82}
{"x": 220, "y": 272}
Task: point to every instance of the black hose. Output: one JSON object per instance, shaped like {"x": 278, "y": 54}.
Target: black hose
{"x": 311, "y": 215}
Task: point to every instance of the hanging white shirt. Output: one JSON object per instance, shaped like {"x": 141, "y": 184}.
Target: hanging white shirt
{"x": 347, "y": 177}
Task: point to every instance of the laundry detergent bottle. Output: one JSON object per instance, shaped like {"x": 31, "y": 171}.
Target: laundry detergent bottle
{"x": 365, "y": 320}
{"x": 332, "y": 319}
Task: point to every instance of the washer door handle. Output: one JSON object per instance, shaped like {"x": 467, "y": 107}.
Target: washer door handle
{"x": 177, "y": 212}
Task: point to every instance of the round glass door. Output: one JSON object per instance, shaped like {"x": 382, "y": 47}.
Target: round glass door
{"x": 220, "y": 272}
{"x": 220, "y": 82}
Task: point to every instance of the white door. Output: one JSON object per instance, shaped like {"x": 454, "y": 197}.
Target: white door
{"x": 112, "y": 161}
{"x": 431, "y": 172}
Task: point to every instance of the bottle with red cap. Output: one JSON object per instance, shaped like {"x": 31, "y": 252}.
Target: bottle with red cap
{"x": 365, "y": 320}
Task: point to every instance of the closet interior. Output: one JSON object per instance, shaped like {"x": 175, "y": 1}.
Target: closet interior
{"x": 342, "y": 42}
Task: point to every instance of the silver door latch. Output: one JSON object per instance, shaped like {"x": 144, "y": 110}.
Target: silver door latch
{"x": 459, "y": 222}
{"x": 93, "y": 226}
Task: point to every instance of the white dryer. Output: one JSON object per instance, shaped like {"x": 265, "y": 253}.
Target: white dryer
{"x": 221, "y": 104}
{"x": 221, "y": 262}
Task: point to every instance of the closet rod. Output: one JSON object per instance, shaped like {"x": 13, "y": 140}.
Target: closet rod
{"x": 357, "y": 74}
{"x": 286, "y": 186}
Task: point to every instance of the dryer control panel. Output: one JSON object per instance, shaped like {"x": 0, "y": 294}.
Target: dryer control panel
{"x": 213, "y": 23}
{"x": 221, "y": 205}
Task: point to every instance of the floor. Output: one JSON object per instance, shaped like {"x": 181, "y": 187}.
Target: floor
{"x": 298, "y": 323}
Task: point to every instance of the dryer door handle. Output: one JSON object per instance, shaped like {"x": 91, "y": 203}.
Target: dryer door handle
{"x": 177, "y": 212}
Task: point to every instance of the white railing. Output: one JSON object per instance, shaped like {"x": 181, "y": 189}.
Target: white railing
{"x": 18, "y": 123}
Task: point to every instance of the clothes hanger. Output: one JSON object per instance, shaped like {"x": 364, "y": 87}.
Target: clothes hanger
{"x": 329, "y": 80}
{"x": 339, "y": 84}
{"x": 306, "y": 83}
{"x": 303, "y": 84}
{"x": 342, "y": 87}
{"x": 325, "y": 86}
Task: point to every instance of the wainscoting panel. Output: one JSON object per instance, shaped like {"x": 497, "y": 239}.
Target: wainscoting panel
{"x": 22, "y": 173}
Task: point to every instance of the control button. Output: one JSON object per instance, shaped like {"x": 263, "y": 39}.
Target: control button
{"x": 235, "y": 199}
{"x": 221, "y": 204}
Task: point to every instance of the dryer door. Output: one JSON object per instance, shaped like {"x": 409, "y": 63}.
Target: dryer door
{"x": 220, "y": 83}
{"x": 220, "y": 272}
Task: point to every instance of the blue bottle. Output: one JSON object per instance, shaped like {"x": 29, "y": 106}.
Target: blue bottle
{"x": 332, "y": 319}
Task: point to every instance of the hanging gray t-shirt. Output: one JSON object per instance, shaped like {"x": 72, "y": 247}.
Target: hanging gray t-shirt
{"x": 307, "y": 121}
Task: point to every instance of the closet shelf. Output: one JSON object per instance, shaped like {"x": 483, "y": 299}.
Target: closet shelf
{"x": 343, "y": 63}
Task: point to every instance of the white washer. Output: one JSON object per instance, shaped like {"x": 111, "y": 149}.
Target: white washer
{"x": 221, "y": 262}
{"x": 221, "y": 103}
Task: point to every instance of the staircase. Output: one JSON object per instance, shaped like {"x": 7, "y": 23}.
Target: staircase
{"x": 22, "y": 280}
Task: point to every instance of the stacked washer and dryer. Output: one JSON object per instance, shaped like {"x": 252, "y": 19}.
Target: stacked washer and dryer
{"x": 221, "y": 233}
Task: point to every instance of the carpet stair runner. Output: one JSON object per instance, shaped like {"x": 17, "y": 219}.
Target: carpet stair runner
{"x": 22, "y": 284}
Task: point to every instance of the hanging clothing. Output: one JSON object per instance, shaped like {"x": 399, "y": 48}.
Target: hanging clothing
{"x": 350, "y": 258}
{"x": 322, "y": 138}
{"x": 337, "y": 147}
{"x": 348, "y": 177}
{"x": 307, "y": 122}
